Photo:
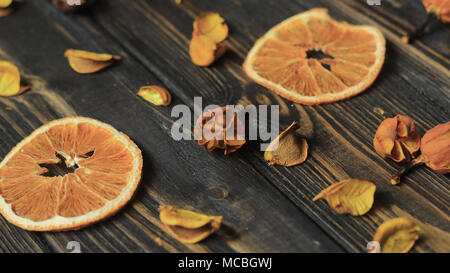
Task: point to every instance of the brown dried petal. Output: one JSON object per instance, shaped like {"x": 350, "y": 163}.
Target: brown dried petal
{"x": 6, "y": 11}
{"x": 397, "y": 235}
{"x": 156, "y": 95}
{"x": 292, "y": 150}
{"x": 188, "y": 226}
{"x": 210, "y": 125}
{"x": 85, "y": 62}
{"x": 353, "y": 196}
{"x": 436, "y": 148}
{"x": 440, "y": 8}
{"x": 397, "y": 138}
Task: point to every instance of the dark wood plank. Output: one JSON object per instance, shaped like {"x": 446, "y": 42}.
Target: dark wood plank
{"x": 411, "y": 83}
{"x": 257, "y": 216}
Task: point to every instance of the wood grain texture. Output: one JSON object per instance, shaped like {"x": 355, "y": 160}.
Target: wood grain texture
{"x": 267, "y": 208}
{"x": 176, "y": 173}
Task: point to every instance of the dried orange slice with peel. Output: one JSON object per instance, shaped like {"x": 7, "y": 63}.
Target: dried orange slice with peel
{"x": 102, "y": 171}
{"x": 312, "y": 59}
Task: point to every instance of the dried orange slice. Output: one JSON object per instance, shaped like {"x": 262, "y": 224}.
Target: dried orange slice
{"x": 68, "y": 174}
{"x": 312, "y": 59}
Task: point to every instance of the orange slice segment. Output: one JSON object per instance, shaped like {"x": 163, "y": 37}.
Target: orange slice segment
{"x": 101, "y": 169}
{"x": 312, "y": 59}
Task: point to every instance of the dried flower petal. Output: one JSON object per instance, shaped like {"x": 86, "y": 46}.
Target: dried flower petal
{"x": 353, "y": 196}
{"x": 88, "y": 62}
{"x": 440, "y": 8}
{"x": 397, "y": 138}
{"x": 397, "y": 235}
{"x": 5, "y": 3}
{"x": 6, "y": 7}
{"x": 212, "y": 25}
{"x": 436, "y": 148}
{"x": 187, "y": 226}
{"x": 10, "y": 80}
{"x": 178, "y": 2}
{"x": 220, "y": 128}
{"x": 156, "y": 95}
{"x": 5, "y": 11}
{"x": 287, "y": 149}
{"x": 204, "y": 51}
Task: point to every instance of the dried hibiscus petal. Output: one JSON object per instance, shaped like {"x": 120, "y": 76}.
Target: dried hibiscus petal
{"x": 397, "y": 138}
{"x": 188, "y": 226}
{"x": 10, "y": 80}
{"x": 211, "y": 25}
{"x": 287, "y": 149}
{"x": 220, "y": 128}
{"x": 85, "y": 62}
{"x": 204, "y": 51}
{"x": 435, "y": 148}
{"x": 352, "y": 196}
{"x": 397, "y": 235}
{"x": 156, "y": 95}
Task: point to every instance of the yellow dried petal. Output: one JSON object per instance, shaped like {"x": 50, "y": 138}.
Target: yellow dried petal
{"x": 178, "y": 1}
{"x": 212, "y": 25}
{"x": 156, "y": 95}
{"x": 397, "y": 235}
{"x": 5, "y": 3}
{"x": 89, "y": 62}
{"x": 205, "y": 51}
{"x": 10, "y": 80}
{"x": 352, "y": 196}
{"x": 188, "y": 226}
{"x": 292, "y": 150}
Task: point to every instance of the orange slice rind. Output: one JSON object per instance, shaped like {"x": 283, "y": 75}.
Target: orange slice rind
{"x": 312, "y": 59}
{"x": 107, "y": 170}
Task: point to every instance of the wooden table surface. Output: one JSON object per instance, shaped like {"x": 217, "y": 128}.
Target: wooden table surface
{"x": 265, "y": 209}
